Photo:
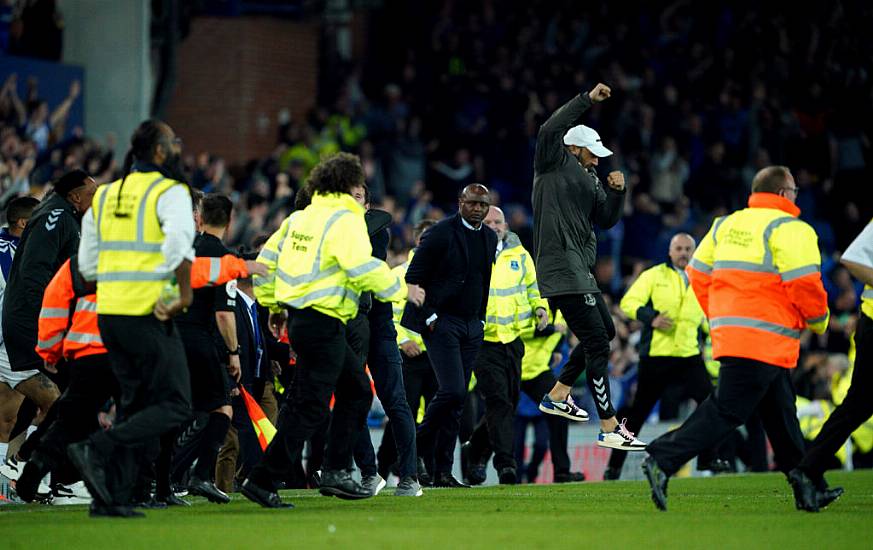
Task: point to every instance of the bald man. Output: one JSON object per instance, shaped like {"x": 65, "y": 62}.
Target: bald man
{"x": 453, "y": 265}
{"x": 669, "y": 348}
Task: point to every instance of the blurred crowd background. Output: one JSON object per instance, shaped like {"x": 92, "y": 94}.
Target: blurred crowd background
{"x": 451, "y": 92}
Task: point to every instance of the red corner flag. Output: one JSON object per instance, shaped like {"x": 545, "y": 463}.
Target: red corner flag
{"x": 263, "y": 427}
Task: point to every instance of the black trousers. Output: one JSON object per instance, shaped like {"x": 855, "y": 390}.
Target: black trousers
{"x": 656, "y": 375}
{"x": 590, "y": 320}
{"x": 498, "y": 380}
{"x": 148, "y": 361}
{"x": 558, "y": 428}
{"x": 92, "y": 384}
{"x": 744, "y": 385}
{"x": 326, "y": 365}
{"x": 419, "y": 382}
{"x": 452, "y": 347}
{"x": 855, "y": 409}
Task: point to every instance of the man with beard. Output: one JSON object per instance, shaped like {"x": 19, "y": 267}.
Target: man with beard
{"x": 136, "y": 239}
{"x": 568, "y": 200}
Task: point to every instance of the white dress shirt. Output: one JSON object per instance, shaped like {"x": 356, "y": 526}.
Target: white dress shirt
{"x": 861, "y": 249}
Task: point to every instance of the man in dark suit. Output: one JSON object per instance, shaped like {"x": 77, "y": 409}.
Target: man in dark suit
{"x": 453, "y": 265}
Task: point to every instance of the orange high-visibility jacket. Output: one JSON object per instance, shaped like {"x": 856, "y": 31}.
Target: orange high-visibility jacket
{"x": 757, "y": 276}
{"x": 63, "y": 336}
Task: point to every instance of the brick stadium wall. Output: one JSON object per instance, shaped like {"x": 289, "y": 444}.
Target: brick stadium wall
{"x": 234, "y": 76}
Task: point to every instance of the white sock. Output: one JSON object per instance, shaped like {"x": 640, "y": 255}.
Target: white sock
{"x": 4, "y": 447}
{"x": 30, "y": 430}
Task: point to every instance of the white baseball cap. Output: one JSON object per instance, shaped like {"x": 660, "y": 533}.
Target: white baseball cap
{"x": 583, "y": 136}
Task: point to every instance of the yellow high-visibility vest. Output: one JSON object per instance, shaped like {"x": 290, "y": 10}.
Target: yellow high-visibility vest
{"x": 321, "y": 258}
{"x": 129, "y": 278}
{"x": 513, "y": 296}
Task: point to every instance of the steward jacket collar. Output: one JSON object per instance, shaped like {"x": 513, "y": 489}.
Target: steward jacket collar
{"x": 772, "y": 200}
{"x": 338, "y": 200}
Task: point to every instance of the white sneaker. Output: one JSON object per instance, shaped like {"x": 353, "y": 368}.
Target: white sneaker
{"x": 12, "y": 468}
{"x": 566, "y": 409}
{"x": 620, "y": 439}
{"x": 374, "y": 484}
{"x": 74, "y": 493}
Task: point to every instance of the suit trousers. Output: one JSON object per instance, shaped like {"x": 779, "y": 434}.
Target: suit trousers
{"x": 744, "y": 385}
{"x": 452, "y": 346}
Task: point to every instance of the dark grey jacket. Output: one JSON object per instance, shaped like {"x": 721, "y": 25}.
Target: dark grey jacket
{"x": 567, "y": 201}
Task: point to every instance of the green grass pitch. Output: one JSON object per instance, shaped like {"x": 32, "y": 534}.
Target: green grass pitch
{"x": 741, "y": 511}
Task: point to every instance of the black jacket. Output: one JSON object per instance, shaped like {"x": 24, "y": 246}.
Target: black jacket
{"x": 50, "y": 238}
{"x": 439, "y": 265}
{"x": 568, "y": 201}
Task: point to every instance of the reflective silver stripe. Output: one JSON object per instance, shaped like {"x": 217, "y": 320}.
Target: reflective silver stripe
{"x": 84, "y": 338}
{"x": 306, "y": 299}
{"x": 306, "y": 277}
{"x": 743, "y": 266}
{"x": 747, "y": 322}
{"x": 508, "y": 319}
{"x": 868, "y": 293}
{"x": 390, "y": 291}
{"x": 818, "y": 319}
{"x": 53, "y": 341}
{"x": 315, "y": 272}
{"x": 504, "y": 292}
{"x": 261, "y": 281}
{"x": 214, "y": 269}
{"x": 269, "y": 255}
{"x": 533, "y": 286}
{"x": 100, "y": 211}
{"x": 129, "y": 246}
{"x": 365, "y": 268}
{"x": 768, "y": 231}
{"x": 54, "y": 313}
{"x": 798, "y": 272}
{"x": 715, "y": 225}
{"x": 140, "y": 217}
{"x": 130, "y": 276}
{"x": 84, "y": 305}
{"x": 700, "y": 266}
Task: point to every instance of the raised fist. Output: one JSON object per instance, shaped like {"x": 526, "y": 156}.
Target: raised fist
{"x": 615, "y": 180}
{"x": 599, "y": 93}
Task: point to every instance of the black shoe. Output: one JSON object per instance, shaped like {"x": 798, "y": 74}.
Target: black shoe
{"x": 805, "y": 497}
{"x": 172, "y": 500}
{"x": 104, "y": 510}
{"x": 89, "y": 463}
{"x": 208, "y": 490}
{"x": 611, "y": 474}
{"x": 828, "y": 496}
{"x": 569, "y": 477}
{"x": 508, "y": 476}
{"x": 449, "y": 481}
{"x": 314, "y": 481}
{"x": 28, "y": 482}
{"x": 475, "y": 472}
{"x": 264, "y": 497}
{"x": 717, "y": 466}
{"x": 657, "y": 481}
{"x": 424, "y": 478}
{"x": 151, "y": 504}
{"x": 340, "y": 484}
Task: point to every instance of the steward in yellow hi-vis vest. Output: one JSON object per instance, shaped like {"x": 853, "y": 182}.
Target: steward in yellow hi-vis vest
{"x": 319, "y": 262}
{"x": 130, "y": 270}
{"x": 670, "y": 344}
{"x": 136, "y": 238}
{"x": 856, "y": 408}
{"x": 514, "y": 307}
{"x": 756, "y": 275}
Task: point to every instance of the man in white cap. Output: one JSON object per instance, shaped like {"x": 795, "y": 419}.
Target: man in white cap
{"x": 568, "y": 199}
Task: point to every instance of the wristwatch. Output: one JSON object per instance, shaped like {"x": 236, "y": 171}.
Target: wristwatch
{"x": 233, "y": 352}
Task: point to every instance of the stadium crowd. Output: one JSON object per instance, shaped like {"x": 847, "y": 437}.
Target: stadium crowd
{"x": 696, "y": 115}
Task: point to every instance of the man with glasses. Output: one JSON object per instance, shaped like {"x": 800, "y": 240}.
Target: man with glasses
{"x": 757, "y": 278}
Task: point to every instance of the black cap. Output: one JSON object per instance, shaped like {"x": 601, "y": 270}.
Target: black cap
{"x": 69, "y": 181}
